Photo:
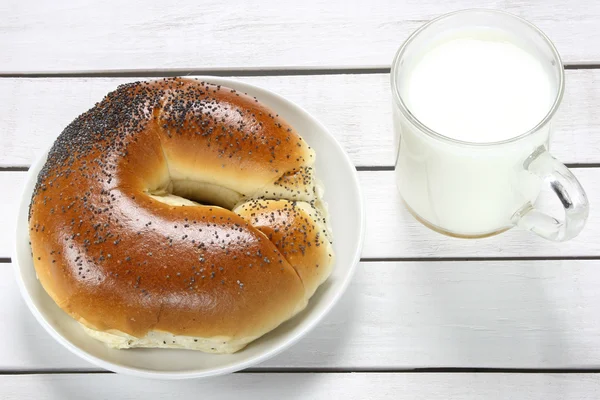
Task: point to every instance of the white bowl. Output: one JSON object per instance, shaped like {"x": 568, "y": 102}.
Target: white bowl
{"x": 347, "y": 217}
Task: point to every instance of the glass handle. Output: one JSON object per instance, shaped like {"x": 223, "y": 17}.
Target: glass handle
{"x": 570, "y": 193}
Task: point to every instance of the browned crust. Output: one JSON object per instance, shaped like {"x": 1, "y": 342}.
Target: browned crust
{"x": 299, "y": 232}
{"x": 117, "y": 259}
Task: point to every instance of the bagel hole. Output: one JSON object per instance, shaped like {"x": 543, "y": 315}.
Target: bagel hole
{"x": 192, "y": 193}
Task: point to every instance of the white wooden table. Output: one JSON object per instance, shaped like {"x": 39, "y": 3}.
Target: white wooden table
{"x": 427, "y": 316}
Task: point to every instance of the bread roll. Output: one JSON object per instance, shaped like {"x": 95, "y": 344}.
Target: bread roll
{"x": 180, "y": 214}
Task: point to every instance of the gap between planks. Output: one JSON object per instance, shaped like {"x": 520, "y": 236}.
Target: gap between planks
{"x": 358, "y": 168}
{"x": 433, "y": 370}
{"x": 232, "y": 72}
{"x": 7, "y": 260}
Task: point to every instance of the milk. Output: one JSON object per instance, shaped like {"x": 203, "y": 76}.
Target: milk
{"x": 476, "y": 86}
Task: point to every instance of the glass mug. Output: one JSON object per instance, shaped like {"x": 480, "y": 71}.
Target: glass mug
{"x": 478, "y": 189}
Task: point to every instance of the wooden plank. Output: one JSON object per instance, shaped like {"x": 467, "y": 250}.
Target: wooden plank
{"x": 312, "y": 386}
{"x": 36, "y": 111}
{"x": 356, "y": 108}
{"x": 393, "y": 233}
{"x": 39, "y": 36}
{"x": 403, "y": 315}
{"x": 14, "y": 182}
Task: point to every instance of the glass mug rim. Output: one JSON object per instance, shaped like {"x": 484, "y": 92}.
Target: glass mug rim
{"x": 436, "y": 135}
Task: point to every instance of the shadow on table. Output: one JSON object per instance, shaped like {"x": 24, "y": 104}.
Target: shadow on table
{"x": 33, "y": 346}
{"x": 236, "y": 386}
{"x": 326, "y": 346}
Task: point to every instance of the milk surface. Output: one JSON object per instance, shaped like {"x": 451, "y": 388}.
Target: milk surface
{"x": 478, "y": 87}
{"x": 478, "y": 90}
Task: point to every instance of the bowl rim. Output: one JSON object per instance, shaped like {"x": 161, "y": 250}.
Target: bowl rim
{"x": 295, "y": 336}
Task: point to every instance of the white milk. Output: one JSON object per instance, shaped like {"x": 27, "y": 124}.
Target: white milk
{"x": 479, "y": 87}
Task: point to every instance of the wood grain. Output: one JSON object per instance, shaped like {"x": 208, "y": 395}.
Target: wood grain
{"x": 534, "y": 306}
{"x": 356, "y": 109}
{"x": 393, "y": 233}
{"x": 307, "y": 386}
{"x": 403, "y": 315}
{"x": 40, "y": 36}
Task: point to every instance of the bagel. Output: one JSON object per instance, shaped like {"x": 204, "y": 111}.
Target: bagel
{"x": 179, "y": 214}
